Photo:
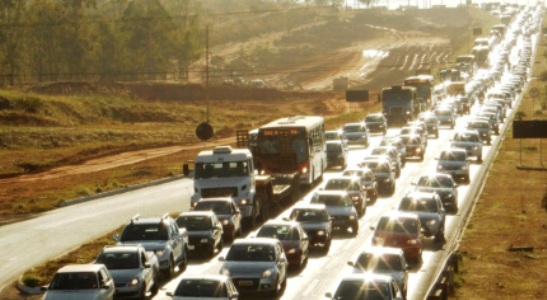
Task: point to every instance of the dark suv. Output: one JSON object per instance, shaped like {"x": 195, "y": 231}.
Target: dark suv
{"x": 376, "y": 123}
{"x": 317, "y": 223}
{"x": 340, "y": 208}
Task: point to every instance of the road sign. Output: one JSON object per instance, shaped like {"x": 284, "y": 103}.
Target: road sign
{"x": 204, "y": 131}
{"x": 534, "y": 92}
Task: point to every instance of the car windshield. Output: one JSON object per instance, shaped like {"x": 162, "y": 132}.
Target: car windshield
{"x": 403, "y": 225}
{"x": 332, "y": 135}
{"x": 195, "y": 223}
{"x": 201, "y": 288}
{"x": 478, "y": 125}
{"x": 310, "y": 215}
{"x": 466, "y": 138}
{"x": 218, "y": 207}
{"x": 443, "y": 113}
{"x": 74, "y": 281}
{"x": 330, "y": 200}
{"x": 119, "y": 260}
{"x": 253, "y": 252}
{"x": 374, "y": 118}
{"x": 353, "y": 128}
{"x": 349, "y": 289}
{"x": 453, "y": 156}
{"x": 418, "y": 205}
{"x": 337, "y": 184}
{"x": 221, "y": 169}
{"x": 334, "y": 148}
{"x": 436, "y": 182}
{"x": 383, "y": 263}
{"x": 379, "y": 151}
{"x": 144, "y": 232}
{"x": 280, "y": 232}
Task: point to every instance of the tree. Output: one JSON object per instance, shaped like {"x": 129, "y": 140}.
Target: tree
{"x": 368, "y": 3}
{"x": 11, "y": 13}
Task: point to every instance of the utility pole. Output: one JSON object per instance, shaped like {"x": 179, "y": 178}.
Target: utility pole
{"x": 207, "y": 72}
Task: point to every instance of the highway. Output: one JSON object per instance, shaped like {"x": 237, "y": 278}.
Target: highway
{"x": 32, "y": 242}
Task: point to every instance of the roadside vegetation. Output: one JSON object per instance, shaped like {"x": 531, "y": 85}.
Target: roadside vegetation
{"x": 503, "y": 249}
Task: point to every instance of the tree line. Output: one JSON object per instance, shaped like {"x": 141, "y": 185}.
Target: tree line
{"x": 59, "y": 40}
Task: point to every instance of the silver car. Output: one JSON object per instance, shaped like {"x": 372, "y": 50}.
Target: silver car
{"x": 82, "y": 282}
{"x": 357, "y": 133}
{"x": 385, "y": 261}
{"x": 256, "y": 265}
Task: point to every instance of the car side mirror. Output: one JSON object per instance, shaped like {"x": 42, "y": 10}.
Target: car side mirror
{"x": 328, "y": 295}
{"x": 372, "y": 227}
{"x": 455, "y": 185}
{"x": 106, "y": 285}
{"x": 146, "y": 265}
{"x": 350, "y": 263}
{"x": 116, "y": 237}
{"x": 43, "y": 288}
{"x": 170, "y": 294}
{"x": 221, "y": 258}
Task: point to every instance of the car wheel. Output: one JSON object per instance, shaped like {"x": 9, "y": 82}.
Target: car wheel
{"x": 489, "y": 142}
{"x": 170, "y": 271}
{"x": 384, "y": 132}
{"x": 392, "y": 190}
{"x": 479, "y": 158}
{"x": 452, "y": 125}
{"x": 437, "y": 134}
{"x": 155, "y": 288}
{"x": 220, "y": 245}
{"x": 422, "y": 157}
{"x": 439, "y": 237}
{"x": 355, "y": 228}
{"x": 184, "y": 263}
{"x": 398, "y": 172}
{"x": 326, "y": 247}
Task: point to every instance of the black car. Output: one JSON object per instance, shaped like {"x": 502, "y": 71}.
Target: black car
{"x": 317, "y": 222}
{"x": 337, "y": 154}
{"x": 442, "y": 184}
{"x": 384, "y": 174}
{"x": 431, "y": 122}
{"x": 483, "y": 127}
{"x": 415, "y": 147}
{"x": 376, "y": 122}
{"x": 340, "y": 208}
{"x": 204, "y": 231}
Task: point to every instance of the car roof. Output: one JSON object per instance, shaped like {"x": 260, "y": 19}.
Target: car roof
{"x": 122, "y": 248}
{"x": 81, "y": 268}
{"x": 314, "y": 206}
{"x": 256, "y": 241}
{"x": 367, "y": 277}
{"x": 277, "y": 222}
{"x": 418, "y": 195}
{"x": 400, "y": 215}
{"x": 437, "y": 175}
{"x": 200, "y": 213}
{"x": 330, "y": 192}
{"x": 217, "y": 199}
{"x": 378, "y": 250}
{"x": 454, "y": 150}
{"x": 216, "y": 277}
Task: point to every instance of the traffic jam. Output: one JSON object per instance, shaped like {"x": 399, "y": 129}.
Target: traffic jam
{"x": 370, "y": 210}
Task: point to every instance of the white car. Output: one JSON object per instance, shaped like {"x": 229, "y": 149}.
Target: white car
{"x": 82, "y": 282}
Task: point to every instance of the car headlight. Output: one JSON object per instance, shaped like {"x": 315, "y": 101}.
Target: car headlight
{"x": 267, "y": 273}
{"x": 476, "y": 148}
{"x": 439, "y": 167}
{"x": 194, "y": 204}
{"x": 464, "y": 167}
{"x": 321, "y": 232}
{"x": 225, "y": 222}
{"x": 243, "y": 202}
{"x": 387, "y": 180}
{"x": 413, "y": 242}
{"x": 159, "y": 253}
{"x": 352, "y": 217}
{"x": 418, "y": 149}
{"x": 134, "y": 282}
{"x": 378, "y": 240}
{"x": 291, "y": 251}
{"x": 225, "y": 272}
{"x": 204, "y": 240}
{"x": 431, "y": 222}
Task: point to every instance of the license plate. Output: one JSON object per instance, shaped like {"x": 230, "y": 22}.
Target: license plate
{"x": 191, "y": 247}
{"x": 245, "y": 282}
